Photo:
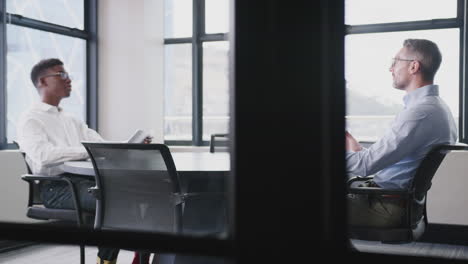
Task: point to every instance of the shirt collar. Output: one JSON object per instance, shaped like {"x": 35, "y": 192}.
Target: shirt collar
{"x": 47, "y": 107}
{"x": 414, "y": 96}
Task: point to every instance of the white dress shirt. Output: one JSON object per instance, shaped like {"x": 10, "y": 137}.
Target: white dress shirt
{"x": 50, "y": 137}
{"x": 426, "y": 121}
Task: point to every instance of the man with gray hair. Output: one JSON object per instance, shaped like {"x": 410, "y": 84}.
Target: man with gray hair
{"x": 425, "y": 121}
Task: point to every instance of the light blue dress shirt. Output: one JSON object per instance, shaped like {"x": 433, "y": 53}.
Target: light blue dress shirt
{"x": 425, "y": 121}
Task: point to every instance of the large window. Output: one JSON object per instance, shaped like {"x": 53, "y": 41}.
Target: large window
{"x": 375, "y": 33}
{"x": 196, "y": 70}
{"x": 39, "y": 29}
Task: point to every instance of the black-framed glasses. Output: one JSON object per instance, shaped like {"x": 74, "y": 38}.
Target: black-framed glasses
{"x": 394, "y": 60}
{"x": 62, "y": 75}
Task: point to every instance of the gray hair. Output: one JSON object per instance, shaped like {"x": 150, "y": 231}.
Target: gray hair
{"x": 428, "y": 55}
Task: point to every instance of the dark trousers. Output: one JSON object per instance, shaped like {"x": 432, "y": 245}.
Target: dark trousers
{"x": 374, "y": 210}
{"x": 57, "y": 194}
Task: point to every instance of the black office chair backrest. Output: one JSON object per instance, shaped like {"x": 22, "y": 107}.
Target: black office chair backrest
{"x": 24, "y": 157}
{"x": 138, "y": 187}
{"x": 34, "y": 191}
{"x": 423, "y": 179}
{"x": 213, "y": 140}
{"x": 429, "y": 166}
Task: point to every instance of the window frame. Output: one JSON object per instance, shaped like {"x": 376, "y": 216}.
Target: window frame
{"x": 199, "y": 36}
{"x": 449, "y": 23}
{"x": 89, "y": 34}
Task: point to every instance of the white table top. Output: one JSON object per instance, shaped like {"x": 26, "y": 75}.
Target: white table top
{"x": 184, "y": 162}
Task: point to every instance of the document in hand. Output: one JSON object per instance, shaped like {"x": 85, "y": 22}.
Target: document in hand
{"x": 139, "y": 136}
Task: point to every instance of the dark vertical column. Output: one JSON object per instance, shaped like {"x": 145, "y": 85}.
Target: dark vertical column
{"x": 288, "y": 128}
{"x": 91, "y": 28}
{"x": 197, "y": 71}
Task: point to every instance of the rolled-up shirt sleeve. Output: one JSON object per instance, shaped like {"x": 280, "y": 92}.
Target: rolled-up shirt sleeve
{"x": 402, "y": 138}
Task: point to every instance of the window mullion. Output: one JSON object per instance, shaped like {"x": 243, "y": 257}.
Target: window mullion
{"x": 215, "y": 37}
{"x": 3, "y": 114}
{"x": 177, "y": 40}
{"x": 19, "y": 20}
{"x": 197, "y": 71}
{"x": 463, "y": 117}
{"x": 91, "y": 63}
{"x": 404, "y": 26}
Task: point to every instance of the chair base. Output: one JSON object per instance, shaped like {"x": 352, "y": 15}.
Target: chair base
{"x": 389, "y": 235}
{"x": 381, "y": 234}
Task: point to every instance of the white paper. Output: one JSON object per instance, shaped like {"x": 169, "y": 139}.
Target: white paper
{"x": 139, "y": 136}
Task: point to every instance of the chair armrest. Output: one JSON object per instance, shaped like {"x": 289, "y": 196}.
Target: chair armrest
{"x": 37, "y": 177}
{"x": 30, "y": 178}
{"x": 377, "y": 191}
{"x": 359, "y": 178}
{"x": 203, "y": 194}
{"x": 33, "y": 180}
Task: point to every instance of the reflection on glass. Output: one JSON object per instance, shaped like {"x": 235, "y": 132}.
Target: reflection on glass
{"x": 69, "y": 13}
{"x": 371, "y": 100}
{"x": 26, "y": 47}
{"x": 177, "y": 18}
{"x": 371, "y": 11}
{"x": 215, "y": 88}
{"x": 144, "y": 193}
{"x": 217, "y": 16}
{"x": 178, "y": 92}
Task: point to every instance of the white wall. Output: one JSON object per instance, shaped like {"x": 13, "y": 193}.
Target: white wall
{"x": 13, "y": 190}
{"x": 130, "y": 67}
{"x": 447, "y": 200}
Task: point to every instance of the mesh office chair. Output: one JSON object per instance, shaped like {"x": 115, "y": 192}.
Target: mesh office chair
{"x": 138, "y": 188}
{"x": 36, "y": 209}
{"x": 414, "y": 199}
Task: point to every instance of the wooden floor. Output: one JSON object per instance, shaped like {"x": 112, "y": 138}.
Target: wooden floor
{"x": 413, "y": 249}
{"x": 57, "y": 254}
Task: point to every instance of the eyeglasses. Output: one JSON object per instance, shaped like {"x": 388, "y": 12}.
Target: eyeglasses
{"x": 62, "y": 75}
{"x": 394, "y": 60}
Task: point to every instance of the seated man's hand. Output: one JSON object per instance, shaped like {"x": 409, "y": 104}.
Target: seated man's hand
{"x": 147, "y": 140}
{"x": 351, "y": 143}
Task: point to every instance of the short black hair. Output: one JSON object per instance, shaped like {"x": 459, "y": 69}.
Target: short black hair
{"x": 41, "y": 67}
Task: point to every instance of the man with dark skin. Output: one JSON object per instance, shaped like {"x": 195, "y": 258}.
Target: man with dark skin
{"x": 49, "y": 136}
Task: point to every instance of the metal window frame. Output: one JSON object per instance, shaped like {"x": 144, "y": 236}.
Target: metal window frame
{"x": 199, "y": 36}
{"x": 91, "y": 27}
{"x": 3, "y": 132}
{"x": 463, "y": 119}
{"x": 459, "y": 22}
{"x": 89, "y": 34}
